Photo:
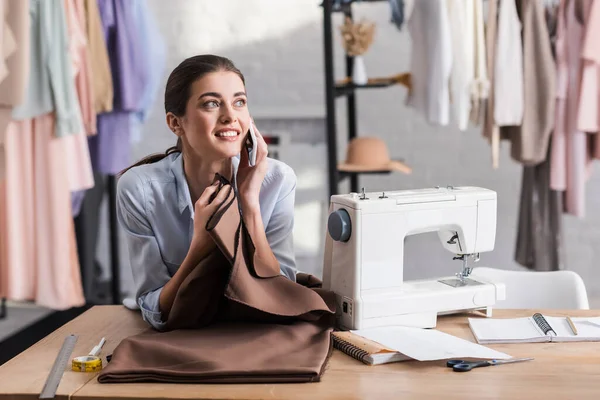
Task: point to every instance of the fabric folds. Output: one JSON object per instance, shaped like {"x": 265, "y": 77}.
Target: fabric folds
{"x": 233, "y": 320}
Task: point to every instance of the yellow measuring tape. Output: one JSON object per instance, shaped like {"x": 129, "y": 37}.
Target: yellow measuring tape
{"x": 91, "y": 362}
{"x": 87, "y": 364}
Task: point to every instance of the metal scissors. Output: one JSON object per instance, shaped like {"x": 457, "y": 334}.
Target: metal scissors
{"x": 464, "y": 366}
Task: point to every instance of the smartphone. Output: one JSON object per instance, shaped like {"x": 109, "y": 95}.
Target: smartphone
{"x": 251, "y": 145}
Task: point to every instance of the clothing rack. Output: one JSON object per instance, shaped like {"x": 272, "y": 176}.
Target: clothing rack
{"x": 333, "y": 90}
{"x": 86, "y": 227}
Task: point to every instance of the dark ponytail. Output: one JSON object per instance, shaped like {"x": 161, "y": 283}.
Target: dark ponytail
{"x": 178, "y": 91}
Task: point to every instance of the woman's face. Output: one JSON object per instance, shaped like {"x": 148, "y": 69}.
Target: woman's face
{"x": 216, "y": 118}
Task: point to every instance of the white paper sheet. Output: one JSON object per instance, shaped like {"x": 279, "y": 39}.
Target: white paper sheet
{"x": 428, "y": 344}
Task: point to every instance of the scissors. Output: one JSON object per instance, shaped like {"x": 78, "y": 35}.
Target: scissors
{"x": 464, "y": 366}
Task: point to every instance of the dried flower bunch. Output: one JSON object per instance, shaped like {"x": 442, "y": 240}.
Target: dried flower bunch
{"x": 357, "y": 37}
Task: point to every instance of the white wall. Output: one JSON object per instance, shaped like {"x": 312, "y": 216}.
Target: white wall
{"x": 278, "y": 46}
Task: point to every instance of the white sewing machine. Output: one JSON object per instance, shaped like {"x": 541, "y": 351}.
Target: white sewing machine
{"x": 364, "y": 255}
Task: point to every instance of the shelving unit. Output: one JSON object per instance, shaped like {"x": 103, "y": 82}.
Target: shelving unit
{"x": 333, "y": 90}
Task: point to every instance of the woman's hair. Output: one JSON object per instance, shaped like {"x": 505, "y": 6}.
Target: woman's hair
{"x": 178, "y": 91}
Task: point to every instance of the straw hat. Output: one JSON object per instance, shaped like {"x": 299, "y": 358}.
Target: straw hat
{"x": 370, "y": 154}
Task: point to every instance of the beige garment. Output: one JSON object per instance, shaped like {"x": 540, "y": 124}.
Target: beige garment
{"x": 39, "y": 260}
{"x": 12, "y": 88}
{"x": 15, "y": 18}
{"x": 529, "y": 141}
{"x": 7, "y": 41}
{"x": 481, "y": 83}
{"x": 101, "y": 74}
{"x": 490, "y": 130}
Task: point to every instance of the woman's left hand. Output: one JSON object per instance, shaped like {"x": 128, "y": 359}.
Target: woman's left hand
{"x": 249, "y": 179}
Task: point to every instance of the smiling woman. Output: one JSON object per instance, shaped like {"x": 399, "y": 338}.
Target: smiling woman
{"x": 164, "y": 200}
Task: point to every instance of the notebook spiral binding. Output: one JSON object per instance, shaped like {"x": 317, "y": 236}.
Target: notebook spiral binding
{"x": 349, "y": 349}
{"x": 542, "y": 323}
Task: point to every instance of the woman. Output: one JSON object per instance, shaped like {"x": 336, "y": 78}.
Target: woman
{"x": 163, "y": 200}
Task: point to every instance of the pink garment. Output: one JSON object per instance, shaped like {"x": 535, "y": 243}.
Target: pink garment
{"x": 589, "y": 101}
{"x": 80, "y": 61}
{"x": 77, "y": 153}
{"x": 39, "y": 253}
{"x": 569, "y": 157}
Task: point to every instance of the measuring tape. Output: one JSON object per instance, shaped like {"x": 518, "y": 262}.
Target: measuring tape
{"x": 91, "y": 362}
{"x": 86, "y": 364}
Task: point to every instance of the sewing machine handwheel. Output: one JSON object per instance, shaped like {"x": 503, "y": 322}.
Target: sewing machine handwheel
{"x": 339, "y": 225}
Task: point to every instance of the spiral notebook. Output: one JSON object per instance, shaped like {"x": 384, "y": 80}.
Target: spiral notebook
{"x": 537, "y": 328}
{"x": 365, "y": 350}
{"x": 396, "y": 343}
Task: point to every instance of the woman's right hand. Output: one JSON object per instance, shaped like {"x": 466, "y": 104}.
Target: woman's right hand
{"x": 203, "y": 209}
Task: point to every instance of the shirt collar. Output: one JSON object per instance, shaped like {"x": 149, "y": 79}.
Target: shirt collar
{"x": 184, "y": 199}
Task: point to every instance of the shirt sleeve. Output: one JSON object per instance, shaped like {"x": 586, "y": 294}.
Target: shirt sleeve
{"x": 150, "y": 273}
{"x": 279, "y": 228}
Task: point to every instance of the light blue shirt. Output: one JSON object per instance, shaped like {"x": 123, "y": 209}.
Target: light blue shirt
{"x": 154, "y": 208}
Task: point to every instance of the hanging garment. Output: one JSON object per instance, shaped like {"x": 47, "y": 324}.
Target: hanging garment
{"x": 80, "y": 174}
{"x": 480, "y": 88}
{"x": 529, "y": 139}
{"x": 50, "y": 85}
{"x": 508, "y": 75}
{"x": 110, "y": 149}
{"x": 154, "y": 53}
{"x": 539, "y": 232}
{"x": 589, "y": 99}
{"x": 14, "y": 22}
{"x": 100, "y": 68}
{"x": 397, "y": 9}
{"x": 570, "y": 156}
{"x": 40, "y": 254}
{"x": 462, "y": 29}
{"x": 233, "y": 320}
{"x": 80, "y": 62}
{"x": 468, "y": 79}
{"x": 431, "y": 60}
{"x": 7, "y": 41}
{"x": 491, "y": 131}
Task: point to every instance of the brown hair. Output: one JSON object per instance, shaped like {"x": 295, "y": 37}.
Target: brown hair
{"x": 178, "y": 91}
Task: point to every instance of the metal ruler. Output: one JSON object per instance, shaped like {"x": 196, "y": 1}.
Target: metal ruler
{"x": 56, "y": 373}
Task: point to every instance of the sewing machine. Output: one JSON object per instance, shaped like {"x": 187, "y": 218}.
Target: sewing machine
{"x": 364, "y": 255}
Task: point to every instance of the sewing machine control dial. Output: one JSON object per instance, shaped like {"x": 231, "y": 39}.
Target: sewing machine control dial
{"x": 339, "y": 225}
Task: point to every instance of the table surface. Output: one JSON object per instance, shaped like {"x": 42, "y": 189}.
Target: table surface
{"x": 559, "y": 371}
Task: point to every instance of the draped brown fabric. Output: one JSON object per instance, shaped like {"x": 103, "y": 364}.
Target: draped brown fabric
{"x": 233, "y": 321}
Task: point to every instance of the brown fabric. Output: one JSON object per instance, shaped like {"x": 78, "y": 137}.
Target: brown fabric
{"x": 233, "y": 321}
{"x": 539, "y": 238}
{"x": 529, "y": 141}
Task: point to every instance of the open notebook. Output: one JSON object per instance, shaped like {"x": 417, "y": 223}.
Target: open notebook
{"x": 537, "y": 328}
{"x": 390, "y": 344}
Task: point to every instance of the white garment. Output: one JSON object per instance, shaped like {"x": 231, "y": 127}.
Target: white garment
{"x": 460, "y": 15}
{"x": 508, "y": 75}
{"x": 481, "y": 83}
{"x": 431, "y": 60}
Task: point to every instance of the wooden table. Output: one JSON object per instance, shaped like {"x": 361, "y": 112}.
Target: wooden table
{"x": 559, "y": 371}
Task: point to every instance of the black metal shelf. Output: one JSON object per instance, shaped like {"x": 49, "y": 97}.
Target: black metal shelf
{"x": 345, "y": 89}
{"x": 333, "y": 90}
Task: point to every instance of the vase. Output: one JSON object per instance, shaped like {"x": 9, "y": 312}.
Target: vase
{"x": 359, "y": 72}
